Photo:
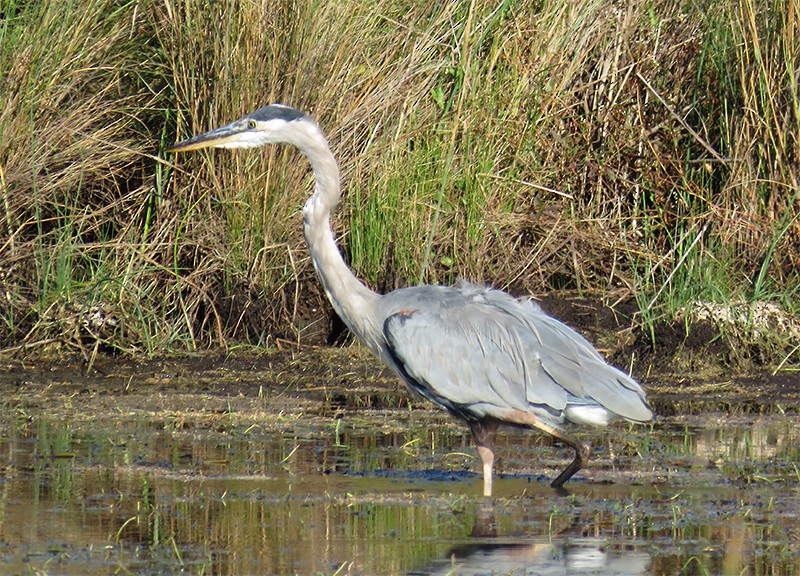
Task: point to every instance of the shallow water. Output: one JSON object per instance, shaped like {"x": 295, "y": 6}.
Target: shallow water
{"x": 154, "y": 480}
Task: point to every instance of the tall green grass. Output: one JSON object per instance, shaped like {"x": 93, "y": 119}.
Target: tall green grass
{"x": 648, "y": 152}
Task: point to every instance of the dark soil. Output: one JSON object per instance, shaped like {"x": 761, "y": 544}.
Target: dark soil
{"x": 334, "y": 378}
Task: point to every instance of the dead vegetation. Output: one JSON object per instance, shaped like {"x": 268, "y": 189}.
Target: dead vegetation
{"x": 645, "y": 152}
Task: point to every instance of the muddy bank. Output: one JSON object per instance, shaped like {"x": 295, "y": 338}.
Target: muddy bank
{"x": 347, "y": 378}
{"x": 312, "y": 392}
{"x": 710, "y": 342}
{"x": 335, "y": 378}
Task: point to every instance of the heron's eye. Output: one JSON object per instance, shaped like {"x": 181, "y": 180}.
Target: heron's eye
{"x": 251, "y": 124}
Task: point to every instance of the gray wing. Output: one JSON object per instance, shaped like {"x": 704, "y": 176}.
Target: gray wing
{"x": 478, "y": 348}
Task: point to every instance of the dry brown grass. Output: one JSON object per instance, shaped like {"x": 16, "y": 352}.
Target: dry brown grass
{"x": 645, "y": 151}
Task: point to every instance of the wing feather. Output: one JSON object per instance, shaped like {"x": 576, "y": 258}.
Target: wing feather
{"x": 575, "y": 364}
{"x": 473, "y": 348}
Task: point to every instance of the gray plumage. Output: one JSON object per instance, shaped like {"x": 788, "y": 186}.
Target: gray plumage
{"x": 484, "y": 356}
{"x": 505, "y": 353}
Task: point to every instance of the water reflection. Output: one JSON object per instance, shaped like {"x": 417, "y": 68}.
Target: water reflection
{"x": 710, "y": 496}
{"x": 541, "y": 556}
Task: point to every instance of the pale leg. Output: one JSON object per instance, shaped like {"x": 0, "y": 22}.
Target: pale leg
{"x": 484, "y": 433}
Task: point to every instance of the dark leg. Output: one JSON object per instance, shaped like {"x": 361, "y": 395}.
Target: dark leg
{"x": 484, "y": 433}
{"x": 582, "y": 451}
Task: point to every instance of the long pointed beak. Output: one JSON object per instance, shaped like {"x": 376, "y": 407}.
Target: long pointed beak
{"x": 213, "y": 138}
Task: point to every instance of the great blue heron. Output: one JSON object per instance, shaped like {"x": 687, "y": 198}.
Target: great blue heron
{"x": 479, "y": 353}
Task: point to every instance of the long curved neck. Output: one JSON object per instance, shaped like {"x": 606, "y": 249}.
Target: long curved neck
{"x": 351, "y": 299}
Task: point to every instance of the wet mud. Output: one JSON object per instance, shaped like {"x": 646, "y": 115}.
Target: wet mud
{"x": 319, "y": 462}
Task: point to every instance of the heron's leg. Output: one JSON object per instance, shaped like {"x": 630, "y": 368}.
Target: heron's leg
{"x": 484, "y": 433}
{"x": 582, "y": 451}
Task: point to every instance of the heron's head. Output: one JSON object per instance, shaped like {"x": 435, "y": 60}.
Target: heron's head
{"x": 272, "y": 124}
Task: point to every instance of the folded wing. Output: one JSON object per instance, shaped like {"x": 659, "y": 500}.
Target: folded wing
{"x": 481, "y": 349}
